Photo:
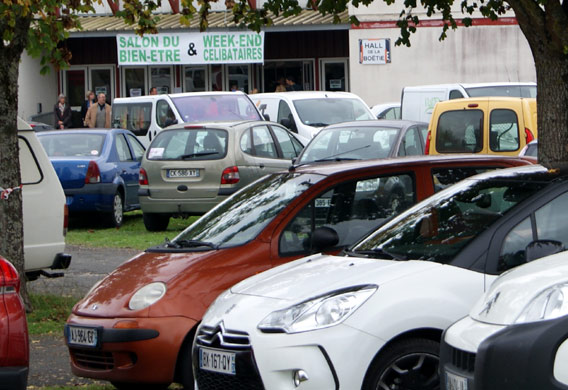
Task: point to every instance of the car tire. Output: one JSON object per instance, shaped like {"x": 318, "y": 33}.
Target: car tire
{"x": 116, "y": 216}
{"x": 407, "y": 364}
{"x": 184, "y": 368}
{"x": 155, "y": 222}
{"x": 140, "y": 386}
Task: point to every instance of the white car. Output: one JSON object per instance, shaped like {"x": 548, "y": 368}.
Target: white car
{"x": 307, "y": 112}
{"x": 386, "y": 110}
{"x": 373, "y": 319}
{"x": 43, "y": 207}
{"x": 515, "y": 337}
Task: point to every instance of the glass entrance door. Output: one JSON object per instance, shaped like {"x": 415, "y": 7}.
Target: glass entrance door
{"x": 334, "y": 75}
{"x": 102, "y": 81}
{"x": 75, "y": 87}
{"x": 275, "y": 73}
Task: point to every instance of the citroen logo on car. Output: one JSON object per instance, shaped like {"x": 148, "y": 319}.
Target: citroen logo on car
{"x": 489, "y": 304}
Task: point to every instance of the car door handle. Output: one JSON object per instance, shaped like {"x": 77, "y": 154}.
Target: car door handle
{"x": 261, "y": 165}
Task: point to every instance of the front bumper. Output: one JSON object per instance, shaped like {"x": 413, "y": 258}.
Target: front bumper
{"x": 145, "y": 354}
{"x": 13, "y": 378}
{"x": 515, "y": 357}
{"x": 272, "y": 360}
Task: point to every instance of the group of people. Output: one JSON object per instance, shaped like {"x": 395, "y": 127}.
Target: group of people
{"x": 288, "y": 84}
{"x": 94, "y": 112}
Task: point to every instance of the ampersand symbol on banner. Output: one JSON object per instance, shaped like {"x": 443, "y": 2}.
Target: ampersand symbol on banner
{"x": 191, "y": 51}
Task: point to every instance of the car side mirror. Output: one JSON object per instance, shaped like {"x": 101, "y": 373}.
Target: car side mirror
{"x": 324, "y": 238}
{"x": 541, "y": 248}
{"x": 294, "y": 159}
{"x": 170, "y": 122}
{"x": 286, "y": 122}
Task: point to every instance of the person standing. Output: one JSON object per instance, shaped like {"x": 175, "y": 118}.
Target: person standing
{"x": 153, "y": 91}
{"x": 89, "y": 101}
{"x": 291, "y": 84}
{"x": 62, "y": 113}
{"x": 98, "y": 116}
{"x": 281, "y": 87}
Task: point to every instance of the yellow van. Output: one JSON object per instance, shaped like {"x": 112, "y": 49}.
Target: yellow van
{"x": 489, "y": 125}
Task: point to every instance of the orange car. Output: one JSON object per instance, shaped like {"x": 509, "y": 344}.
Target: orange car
{"x": 136, "y": 326}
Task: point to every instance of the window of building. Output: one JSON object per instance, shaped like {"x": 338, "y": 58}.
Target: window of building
{"x": 239, "y": 77}
{"x": 134, "y": 81}
{"x": 195, "y": 79}
{"x": 161, "y": 78}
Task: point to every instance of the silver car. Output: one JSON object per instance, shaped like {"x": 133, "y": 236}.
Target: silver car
{"x": 188, "y": 169}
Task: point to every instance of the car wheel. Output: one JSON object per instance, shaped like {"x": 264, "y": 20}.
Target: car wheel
{"x": 408, "y": 364}
{"x": 116, "y": 216}
{"x": 156, "y": 222}
{"x": 140, "y": 386}
{"x": 184, "y": 368}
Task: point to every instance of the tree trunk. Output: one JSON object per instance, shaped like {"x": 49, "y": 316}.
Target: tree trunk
{"x": 11, "y": 222}
{"x": 552, "y": 79}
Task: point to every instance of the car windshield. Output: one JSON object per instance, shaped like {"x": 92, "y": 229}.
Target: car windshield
{"x": 72, "y": 145}
{"x": 503, "y": 90}
{"x": 328, "y": 111}
{"x": 438, "y": 228}
{"x": 189, "y": 144}
{"x": 216, "y": 108}
{"x": 244, "y": 215}
{"x": 351, "y": 143}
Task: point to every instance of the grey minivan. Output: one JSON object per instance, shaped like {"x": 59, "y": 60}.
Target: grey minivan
{"x": 188, "y": 169}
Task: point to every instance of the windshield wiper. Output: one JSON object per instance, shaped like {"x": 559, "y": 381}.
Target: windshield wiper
{"x": 336, "y": 159}
{"x": 376, "y": 252}
{"x": 191, "y": 155}
{"x": 329, "y": 158}
{"x": 189, "y": 244}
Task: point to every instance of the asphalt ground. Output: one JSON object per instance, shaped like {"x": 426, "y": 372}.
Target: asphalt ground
{"x": 49, "y": 359}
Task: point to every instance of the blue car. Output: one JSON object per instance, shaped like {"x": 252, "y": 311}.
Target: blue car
{"x": 98, "y": 169}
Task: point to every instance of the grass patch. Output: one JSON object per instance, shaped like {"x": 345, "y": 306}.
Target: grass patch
{"x": 132, "y": 234}
{"x": 50, "y": 313}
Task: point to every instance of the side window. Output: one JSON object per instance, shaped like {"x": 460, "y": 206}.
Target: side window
{"x": 352, "y": 209}
{"x": 551, "y": 222}
{"x": 164, "y": 114}
{"x": 410, "y": 144}
{"x": 455, "y": 94}
{"x": 460, "y": 132}
{"x": 284, "y": 111}
{"x": 29, "y": 169}
{"x": 136, "y": 147}
{"x": 504, "y": 131}
{"x": 513, "y": 249}
{"x": 263, "y": 143}
{"x": 285, "y": 142}
{"x": 122, "y": 149}
{"x": 446, "y": 176}
{"x": 246, "y": 142}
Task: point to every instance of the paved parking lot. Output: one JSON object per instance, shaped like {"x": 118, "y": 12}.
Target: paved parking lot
{"x": 49, "y": 360}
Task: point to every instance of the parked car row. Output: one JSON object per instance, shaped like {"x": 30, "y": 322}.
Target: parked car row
{"x": 118, "y": 334}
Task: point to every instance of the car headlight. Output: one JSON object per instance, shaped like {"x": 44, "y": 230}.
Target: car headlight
{"x": 547, "y": 305}
{"x": 147, "y": 295}
{"x": 321, "y": 312}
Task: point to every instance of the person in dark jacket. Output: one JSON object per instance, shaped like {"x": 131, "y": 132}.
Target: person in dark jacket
{"x": 62, "y": 113}
{"x": 89, "y": 101}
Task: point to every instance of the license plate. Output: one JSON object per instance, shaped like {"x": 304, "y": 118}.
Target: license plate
{"x": 183, "y": 172}
{"x": 455, "y": 382}
{"x": 83, "y": 336}
{"x": 217, "y": 361}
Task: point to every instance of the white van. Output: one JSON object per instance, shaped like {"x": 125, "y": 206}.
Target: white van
{"x": 44, "y": 209}
{"x": 417, "y": 103}
{"x": 146, "y": 116}
{"x": 305, "y": 113}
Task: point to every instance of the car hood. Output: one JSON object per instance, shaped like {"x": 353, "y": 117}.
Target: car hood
{"x": 319, "y": 274}
{"x": 110, "y": 297}
{"x": 514, "y": 290}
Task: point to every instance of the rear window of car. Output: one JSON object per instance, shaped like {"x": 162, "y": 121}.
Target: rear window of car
{"x": 216, "y": 108}
{"x": 460, "y": 131}
{"x": 134, "y": 117}
{"x": 189, "y": 144}
{"x": 351, "y": 143}
{"x": 326, "y": 111}
{"x": 504, "y": 131}
{"x": 72, "y": 145}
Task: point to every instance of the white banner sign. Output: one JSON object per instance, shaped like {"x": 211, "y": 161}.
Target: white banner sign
{"x": 230, "y": 47}
{"x": 374, "y": 51}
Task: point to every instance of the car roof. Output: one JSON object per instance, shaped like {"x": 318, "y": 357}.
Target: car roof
{"x": 174, "y": 95}
{"x": 331, "y": 168}
{"x": 299, "y": 95}
{"x": 218, "y": 125}
{"x": 83, "y": 131}
{"x": 468, "y": 85}
{"x": 398, "y": 123}
{"x": 486, "y": 99}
